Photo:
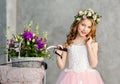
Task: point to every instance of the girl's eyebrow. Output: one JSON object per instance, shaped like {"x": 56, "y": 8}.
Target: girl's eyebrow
{"x": 83, "y": 23}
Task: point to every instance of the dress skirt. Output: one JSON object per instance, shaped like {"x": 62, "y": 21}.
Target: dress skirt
{"x": 68, "y": 76}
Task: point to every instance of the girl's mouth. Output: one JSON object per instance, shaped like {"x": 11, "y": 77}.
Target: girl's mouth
{"x": 83, "y": 32}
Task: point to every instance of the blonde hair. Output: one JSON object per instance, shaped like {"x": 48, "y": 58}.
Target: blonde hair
{"x": 74, "y": 30}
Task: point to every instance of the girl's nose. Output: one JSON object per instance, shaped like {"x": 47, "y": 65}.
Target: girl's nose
{"x": 85, "y": 28}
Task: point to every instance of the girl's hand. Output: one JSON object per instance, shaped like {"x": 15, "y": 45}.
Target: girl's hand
{"x": 89, "y": 42}
{"x": 59, "y": 51}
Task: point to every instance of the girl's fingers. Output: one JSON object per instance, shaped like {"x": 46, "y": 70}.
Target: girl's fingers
{"x": 58, "y": 52}
{"x": 59, "y": 46}
{"x": 89, "y": 40}
{"x": 89, "y": 37}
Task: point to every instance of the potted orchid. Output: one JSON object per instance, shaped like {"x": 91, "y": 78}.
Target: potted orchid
{"x": 28, "y": 45}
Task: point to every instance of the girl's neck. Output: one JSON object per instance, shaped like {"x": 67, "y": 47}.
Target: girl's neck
{"x": 79, "y": 41}
{"x": 80, "y": 37}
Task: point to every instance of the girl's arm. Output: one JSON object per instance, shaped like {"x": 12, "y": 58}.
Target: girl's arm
{"x": 61, "y": 61}
{"x": 92, "y": 53}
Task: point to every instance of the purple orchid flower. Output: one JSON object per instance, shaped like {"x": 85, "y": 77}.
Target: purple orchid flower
{"x": 27, "y": 35}
{"x": 12, "y": 41}
{"x": 39, "y": 44}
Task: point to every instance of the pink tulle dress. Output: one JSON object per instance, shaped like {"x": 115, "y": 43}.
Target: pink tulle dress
{"x": 79, "y": 71}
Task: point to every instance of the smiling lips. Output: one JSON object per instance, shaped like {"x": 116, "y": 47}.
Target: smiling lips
{"x": 83, "y": 32}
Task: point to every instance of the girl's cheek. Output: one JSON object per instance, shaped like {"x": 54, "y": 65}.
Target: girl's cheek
{"x": 80, "y": 27}
{"x": 88, "y": 31}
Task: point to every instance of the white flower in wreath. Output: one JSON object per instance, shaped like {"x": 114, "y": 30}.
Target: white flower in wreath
{"x": 98, "y": 20}
{"x": 94, "y": 17}
{"x": 84, "y": 17}
{"x": 78, "y": 19}
{"x": 89, "y": 14}
{"x": 80, "y": 12}
{"x": 91, "y": 11}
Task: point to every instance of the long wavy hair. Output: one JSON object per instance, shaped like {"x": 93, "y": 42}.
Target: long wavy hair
{"x": 74, "y": 31}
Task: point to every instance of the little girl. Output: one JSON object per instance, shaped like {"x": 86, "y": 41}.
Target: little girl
{"x": 82, "y": 51}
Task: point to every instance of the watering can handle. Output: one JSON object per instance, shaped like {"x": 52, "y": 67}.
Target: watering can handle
{"x": 55, "y": 47}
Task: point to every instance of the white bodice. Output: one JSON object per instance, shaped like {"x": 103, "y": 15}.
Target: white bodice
{"x": 78, "y": 57}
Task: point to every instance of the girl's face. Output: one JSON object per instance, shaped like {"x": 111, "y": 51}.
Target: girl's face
{"x": 84, "y": 27}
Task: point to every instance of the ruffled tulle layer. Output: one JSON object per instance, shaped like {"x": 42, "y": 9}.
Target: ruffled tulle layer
{"x": 79, "y": 77}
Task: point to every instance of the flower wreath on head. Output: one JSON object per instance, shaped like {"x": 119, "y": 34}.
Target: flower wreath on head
{"x": 89, "y": 13}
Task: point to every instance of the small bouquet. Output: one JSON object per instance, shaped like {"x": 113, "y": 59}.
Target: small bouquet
{"x": 28, "y": 44}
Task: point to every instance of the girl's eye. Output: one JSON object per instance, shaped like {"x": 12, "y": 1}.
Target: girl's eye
{"x": 89, "y": 27}
{"x": 83, "y": 24}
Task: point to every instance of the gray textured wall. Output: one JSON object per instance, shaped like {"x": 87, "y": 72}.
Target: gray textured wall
{"x": 11, "y": 15}
{"x": 2, "y": 30}
{"x": 56, "y": 16}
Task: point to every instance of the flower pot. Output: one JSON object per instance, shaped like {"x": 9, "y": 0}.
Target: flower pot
{"x": 32, "y": 62}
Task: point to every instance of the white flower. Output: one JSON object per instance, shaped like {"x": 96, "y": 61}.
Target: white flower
{"x": 84, "y": 17}
{"x": 85, "y": 12}
{"x": 98, "y": 20}
{"x": 89, "y": 14}
{"x": 78, "y": 19}
{"x": 33, "y": 35}
{"x": 94, "y": 17}
{"x": 91, "y": 11}
{"x": 80, "y": 12}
